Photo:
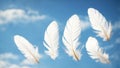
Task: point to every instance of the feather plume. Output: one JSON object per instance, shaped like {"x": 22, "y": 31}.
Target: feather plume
{"x": 30, "y": 52}
{"x": 100, "y": 24}
{"x": 95, "y": 51}
{"x": 51, "y": 40}
{"x": 71, "y": 37}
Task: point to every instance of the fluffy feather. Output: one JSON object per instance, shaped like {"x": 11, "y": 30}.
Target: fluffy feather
{"x": 51, "y": 40}
{"x": 95, "y": 51}
{"x": 71, "y": 37}
{"x": 30, "y": 52}
{"x": 100, "y": 24}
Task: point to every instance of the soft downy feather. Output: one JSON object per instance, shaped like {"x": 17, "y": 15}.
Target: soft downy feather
{"x": 51, "y": 40}
{"x": 71, "y": 37}
{"x": 100, "y": 24}
{"x": 30, "y": 52}
{"x": 96, "y": 52}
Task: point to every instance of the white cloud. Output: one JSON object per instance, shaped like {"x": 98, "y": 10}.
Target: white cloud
{"x": 3, "y": 64}
{"x": 7, "y": 64}
{"x": 6, "y": 61}
{"x": 8, "y": 56}
{"x": 19, "y": 15}
{"x": 26, "y": 62}
{"x": 17, "y": 66}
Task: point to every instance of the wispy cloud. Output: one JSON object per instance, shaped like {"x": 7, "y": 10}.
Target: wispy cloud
{"x": 109, "y": 47}
{"x": 3, "y": 29}
{"x": 19, "y": 15}
{"x": 84, "y": 22}
{"x": 117, "y": 41}
{"x": 6, "y": 61}
{"x": 84, "y": 25}
{"x": 116, "y": 25}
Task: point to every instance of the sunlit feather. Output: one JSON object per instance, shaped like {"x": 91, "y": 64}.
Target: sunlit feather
{"x": 95, "y": 51}
{"x": 51, "y": 40}
{"x": 30, "y": 52}
{"x": 100, "y": 24}
{"x": 71, "y": 37}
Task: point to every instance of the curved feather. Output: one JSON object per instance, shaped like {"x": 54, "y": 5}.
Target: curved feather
{"x": 95, "y": 51}
{"x": 71, "y": 37}
{"x": 51, "y": 40}
{"x": 100, "y": 24}
{"x": 30, "y": 52}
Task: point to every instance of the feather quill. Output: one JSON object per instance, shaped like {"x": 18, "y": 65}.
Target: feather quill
{"x": 96, "y": 52}
{"x": 51, "y": 40}
{"x": 100, "y": 24}
{"x": 71, "y": 37}
{"x": 30, "y": 52}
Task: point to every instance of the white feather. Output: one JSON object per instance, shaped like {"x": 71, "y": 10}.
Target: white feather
{"x": 100, "y": 24}
{"x": 30, "y": 52}
{"x": 71, "y": 37}
{"x": 95, "y": 51}
{"x": 51, "y": 40}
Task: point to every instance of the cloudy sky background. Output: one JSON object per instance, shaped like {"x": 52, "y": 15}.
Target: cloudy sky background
{"x": 30, "y": 18}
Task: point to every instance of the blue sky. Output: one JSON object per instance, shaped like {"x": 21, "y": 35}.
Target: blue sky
{"x": 30, "y": 18}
